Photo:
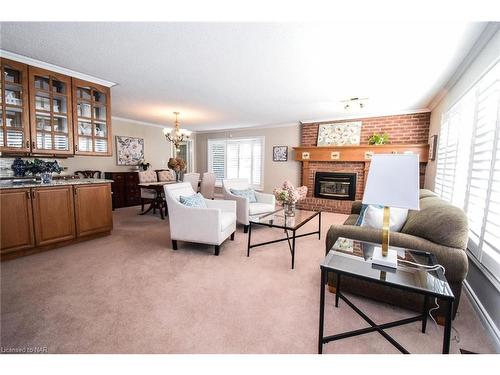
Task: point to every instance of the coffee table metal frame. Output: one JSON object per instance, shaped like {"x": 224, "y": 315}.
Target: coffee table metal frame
{"x": 288, "y": 238}
{"x": 381, "y": 327}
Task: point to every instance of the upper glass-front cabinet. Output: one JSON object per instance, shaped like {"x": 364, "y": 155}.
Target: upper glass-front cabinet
{"x": 92, "y": 118}
{"x": 51, "y": 114}
{"x": 14, "y": 118}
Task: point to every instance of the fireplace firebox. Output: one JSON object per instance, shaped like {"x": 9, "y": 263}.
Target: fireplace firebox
{"x": 334, "y": 185}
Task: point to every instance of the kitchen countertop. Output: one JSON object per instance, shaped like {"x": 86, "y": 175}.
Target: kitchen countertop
{"x": 30, "y": 184}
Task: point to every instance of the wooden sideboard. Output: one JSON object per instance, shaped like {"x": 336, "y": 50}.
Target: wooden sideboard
{"x": 126, "y": 191}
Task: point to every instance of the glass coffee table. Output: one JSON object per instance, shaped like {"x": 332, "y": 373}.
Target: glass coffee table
{"x": 278, "y": 219}
{"x": 416, "y": 273}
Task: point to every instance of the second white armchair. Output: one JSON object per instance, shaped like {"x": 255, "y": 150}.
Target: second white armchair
{"x": 244, "y": 208}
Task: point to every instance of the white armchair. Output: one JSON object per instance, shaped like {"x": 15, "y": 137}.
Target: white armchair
{"x": 211, "y": 225}
{"x": 265, "y": 202}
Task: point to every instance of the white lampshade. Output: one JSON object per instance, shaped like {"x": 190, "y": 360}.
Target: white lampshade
{"x": 393, "y": 181}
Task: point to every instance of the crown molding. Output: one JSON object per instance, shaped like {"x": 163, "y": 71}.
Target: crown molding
{"x": 58, "y": 69}
{"x": 489, "y": 31}
{"x": 251, "y": 127}
{"x": 367, "y": 115}
{"x": 124, "y": 119}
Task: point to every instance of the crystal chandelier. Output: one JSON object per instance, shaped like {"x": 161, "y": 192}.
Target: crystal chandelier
{"x": 176, "y": 135}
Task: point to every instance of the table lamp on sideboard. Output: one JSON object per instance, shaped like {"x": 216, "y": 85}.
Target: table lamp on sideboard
{"x": 393, "y": 181}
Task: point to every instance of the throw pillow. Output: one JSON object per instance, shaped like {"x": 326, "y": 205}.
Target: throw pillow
{"x": 374, "y": 218}
{"x": 195, "y": 200}
{"x": 361, "y": 215}
{"x": 246, "y": 193}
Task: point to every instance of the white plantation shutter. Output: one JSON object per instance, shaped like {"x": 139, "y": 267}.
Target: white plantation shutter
{"x": 237, "y": 158}
{"x": 468, "y": 166}
{"x": 217, "y": 158}
{"x": 483, "y": 206}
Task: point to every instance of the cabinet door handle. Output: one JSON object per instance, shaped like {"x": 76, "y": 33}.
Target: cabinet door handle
{"x": 76, "y": 147}
{"x": 33, "y": 145}
{"x": 27, "y": 143}
{"x": 33, "y": 196}
{"x": 28, "y": 195}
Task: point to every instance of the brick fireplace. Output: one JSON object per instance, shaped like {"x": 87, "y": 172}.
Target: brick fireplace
{"x": 406, "y": 133}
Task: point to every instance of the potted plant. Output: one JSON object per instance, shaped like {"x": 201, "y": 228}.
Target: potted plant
{"x": 378, "y": 139}
{"x": 144, "y": 165}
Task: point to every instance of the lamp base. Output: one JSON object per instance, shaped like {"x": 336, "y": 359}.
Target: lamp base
{"x": 389, "y": 261}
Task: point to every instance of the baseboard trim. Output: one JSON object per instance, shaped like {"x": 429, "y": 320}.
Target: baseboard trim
{"x": 485, "y": 318}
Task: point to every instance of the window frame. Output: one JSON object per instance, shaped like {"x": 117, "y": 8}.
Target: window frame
{"x": 227, "y": 141}
{"x": 481, "y": 257}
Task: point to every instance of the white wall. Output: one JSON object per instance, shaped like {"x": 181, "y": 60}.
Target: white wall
{"x": 489, "y": 54}
{"x": 274, "y": 172}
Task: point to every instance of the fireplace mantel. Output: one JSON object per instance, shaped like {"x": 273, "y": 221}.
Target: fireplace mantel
{"x": 361, "y": 153}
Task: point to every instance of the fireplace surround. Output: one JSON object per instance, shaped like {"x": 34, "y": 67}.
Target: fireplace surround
{"x": 335, "y": 185}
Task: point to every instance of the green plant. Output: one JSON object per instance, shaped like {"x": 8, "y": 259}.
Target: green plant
{"x": 378, "y": 139}
{"x": 144, "y": 166}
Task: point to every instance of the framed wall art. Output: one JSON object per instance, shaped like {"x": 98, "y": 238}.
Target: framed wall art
{"x": 339, "y": 134}
{"x": 280, "y": 153}
{"x": 433, "y": 147}
{"x": 129, "y": 150}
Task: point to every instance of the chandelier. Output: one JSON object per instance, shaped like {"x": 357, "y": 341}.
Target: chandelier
{"x": 176, "y": 135}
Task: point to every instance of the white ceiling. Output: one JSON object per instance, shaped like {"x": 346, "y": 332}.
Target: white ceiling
{"x": 225, "y": 75}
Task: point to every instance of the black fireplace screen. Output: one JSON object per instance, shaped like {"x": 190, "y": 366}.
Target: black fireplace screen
{"x": 333, "y": 185}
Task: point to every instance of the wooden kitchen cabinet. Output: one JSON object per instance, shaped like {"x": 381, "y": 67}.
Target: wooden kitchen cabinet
{"x": 14, "y": 109}
{"x": 93, "y": 211}
{"x": 50, "y": 112}
{"x": 16, "y": 215}
{"x": 53, "y": 214}
{"x": 92, "y": 118}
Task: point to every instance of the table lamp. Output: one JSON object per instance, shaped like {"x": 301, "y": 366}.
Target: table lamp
{"x": 393, "y": 181}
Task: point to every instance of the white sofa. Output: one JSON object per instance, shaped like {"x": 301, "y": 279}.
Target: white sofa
{"x": 211, "y": 225}
{"x": 265, "y": 202}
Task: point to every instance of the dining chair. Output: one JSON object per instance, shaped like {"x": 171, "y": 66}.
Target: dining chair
{"x": 207, "y": 186}
{"x": 147, "y": 194}
{"x": 193, "y": 179}
{"x": 165, "y": 175}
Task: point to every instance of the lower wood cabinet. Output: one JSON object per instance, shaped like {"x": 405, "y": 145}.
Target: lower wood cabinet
{"x": 34, "y": 219}
{"x": 53, "y": 214}
{"x": 95, "y": 217}
{"x": 16, "y": 215}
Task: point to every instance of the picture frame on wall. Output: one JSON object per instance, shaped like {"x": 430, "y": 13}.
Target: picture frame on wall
{"x": 129, "y": 150}
{"x": 339, "y": 134}
{"x": 433, "y": 147}
{"x": 280, "y": 153}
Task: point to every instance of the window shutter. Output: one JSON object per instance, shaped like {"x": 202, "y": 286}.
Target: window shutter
{"x": 237, "y": 158}
{"x": 483, "y": 208}
{"x": 216, "y": 160}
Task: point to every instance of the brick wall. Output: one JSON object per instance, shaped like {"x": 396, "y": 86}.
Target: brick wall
{"x": 402, "y": 129}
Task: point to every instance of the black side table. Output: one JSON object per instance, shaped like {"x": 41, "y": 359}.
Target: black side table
{"x": 351, "y": 258}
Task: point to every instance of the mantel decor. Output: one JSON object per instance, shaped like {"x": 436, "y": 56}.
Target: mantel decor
{"x": 339, "y": 134}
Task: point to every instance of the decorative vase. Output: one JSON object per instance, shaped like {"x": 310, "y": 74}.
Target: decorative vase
{"x": 46, "y": 177}
{"x": 289, "y": 209}
{"x": 19, "y": 167}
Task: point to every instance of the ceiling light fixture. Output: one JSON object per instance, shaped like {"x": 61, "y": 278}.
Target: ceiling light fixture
{"x": 176, "y": 135}
{"x": 354, "y": 104}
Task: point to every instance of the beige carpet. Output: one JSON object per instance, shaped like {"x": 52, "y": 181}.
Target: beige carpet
{"x": 130, "y": 293}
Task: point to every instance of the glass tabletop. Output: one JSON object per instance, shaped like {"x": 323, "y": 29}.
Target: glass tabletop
{"x": 278, "y": 218}
{"x": 354, "y": 258}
